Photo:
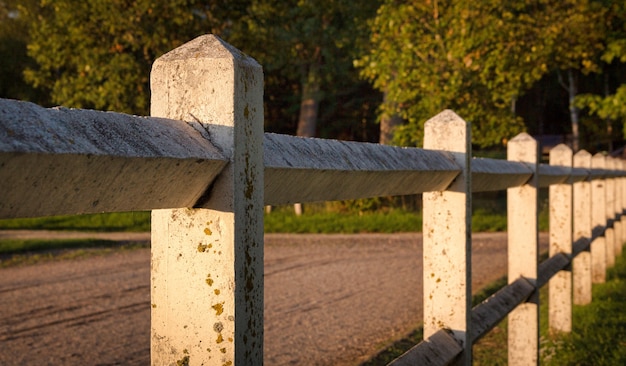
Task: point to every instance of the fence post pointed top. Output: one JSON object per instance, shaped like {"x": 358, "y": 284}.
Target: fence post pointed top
{"x": 522, "y": 137}
{"x": 208, "y": 46}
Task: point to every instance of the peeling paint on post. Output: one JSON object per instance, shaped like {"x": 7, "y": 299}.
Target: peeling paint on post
{"x": 582, "y": 229}
{"x": 447, "y": 236}
{"x": 523, "y": 252}
{"x": 207, "y": 263}
{"x": 560, "y": 286}
{"x": 598, "y": 219}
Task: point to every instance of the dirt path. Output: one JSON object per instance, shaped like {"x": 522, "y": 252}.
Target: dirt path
{"x": 329, "y": 299}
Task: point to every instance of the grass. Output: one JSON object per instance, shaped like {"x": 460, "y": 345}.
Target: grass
{"x": 598, "y": 336}
{"x": 26, "y": 252}
{"x": 599, "y": 329}
{"x": 284, "y": 221}
{"x": 399, "y": 347}
{"x": 108, "y": 222}
{"x": 394, "y": 221}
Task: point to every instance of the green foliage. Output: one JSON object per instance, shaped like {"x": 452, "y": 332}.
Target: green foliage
{"x": 610, "y": 103}
{"x": 306, "y": 49}
{"x": 433, "y": 55}
{"x": 478, "y": 58}
{"x": 598, "y": 329}
{"x": 119, "y": 221}
{"x": 98, "y": 53}
{"x": 13, "y": 57}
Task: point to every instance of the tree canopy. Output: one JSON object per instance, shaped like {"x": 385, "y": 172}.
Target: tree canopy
{"x": 98, "y": 53}
{"x": 328, "y": 63}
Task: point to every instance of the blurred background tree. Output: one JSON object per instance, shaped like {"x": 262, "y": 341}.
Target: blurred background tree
{"x": 98, "y": 53}
{"x": 14, "y": 37}
{"x": 336, "y": 68}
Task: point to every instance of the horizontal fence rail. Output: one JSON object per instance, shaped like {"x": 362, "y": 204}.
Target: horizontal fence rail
{"x": 205, "y": 169}
{"x": 67, "y": 161}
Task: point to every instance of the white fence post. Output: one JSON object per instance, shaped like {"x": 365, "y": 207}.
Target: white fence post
{"x": 622, "y": 206}
{"x": 617, "y": 224}
{"x": 609, "y": 234}
{"x": 598, "y": 220}
{"x": 582, "y": 229}
{"x": 207, "y": 263}
{"x": 447, "y": 236}
{"x": 523, "y": 252}
{"x": 560, "y": 286}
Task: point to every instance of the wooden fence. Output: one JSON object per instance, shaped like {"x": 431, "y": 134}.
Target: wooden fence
{"x": 205, "y": 169}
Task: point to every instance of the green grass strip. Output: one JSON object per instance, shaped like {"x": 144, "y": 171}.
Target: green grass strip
{"x": 107, "y": 222}
{"x": 33, "y": 251}
{"x": 15, "y": 246}
{"x": 598, "y": 330}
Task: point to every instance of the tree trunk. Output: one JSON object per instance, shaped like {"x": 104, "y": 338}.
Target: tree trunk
{"x": 572, "y": 90}
{"x": 309, "y": 105}
{"x": 388, "y": 125}
{"x": 309, "y": 108}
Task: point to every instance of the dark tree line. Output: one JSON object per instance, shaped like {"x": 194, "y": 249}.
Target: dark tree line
{"x": 345, "y": 69}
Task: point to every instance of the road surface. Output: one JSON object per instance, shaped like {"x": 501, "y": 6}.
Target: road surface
{"x": 329, "y": 300}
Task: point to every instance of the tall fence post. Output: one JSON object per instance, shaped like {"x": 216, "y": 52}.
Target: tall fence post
{"x": 615, "y": 218}
{"x": 598, "y": 221}
{"x": 523, "y": 252}
{"x": 609, "y": 234}
{"x": 207, "y": 263}
{"x": 582, "y": 229}
{"x": 622, "y": 206}
{"x": 447, "y": 237}
{"x": 560, "y": 285}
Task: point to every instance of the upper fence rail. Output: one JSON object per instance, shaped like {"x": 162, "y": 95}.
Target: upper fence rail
{"x": 86, "y": 155}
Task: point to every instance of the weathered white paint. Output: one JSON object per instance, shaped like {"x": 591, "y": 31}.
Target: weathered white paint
{"x": 207, "y": 263}
{"x": 447, "y": 236}
{"x": 550, "y": 174}
{"x": 496, "y": 175}
{"x": 68, "y": 161}
{"x": 523, "y": 252}
{"x": 560, "y": 286}
{"x": 301, "y": 169}
{"x": 598, "y": 220}
{"x": 582, "y": 229}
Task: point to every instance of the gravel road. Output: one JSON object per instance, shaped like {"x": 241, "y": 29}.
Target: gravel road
{"x": 329, "y": 300}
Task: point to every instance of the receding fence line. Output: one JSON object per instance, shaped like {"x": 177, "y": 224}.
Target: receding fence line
{"x": 205, "y": 169}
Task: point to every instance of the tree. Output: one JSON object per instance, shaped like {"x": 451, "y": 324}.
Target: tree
{"x": 98, "y": 53}
{"x": 610, "y": 103}
{"x": 579, "y": 32}
{"x": 310, "y": 43}
{"x": 13, "y": 57}
{"x": 431, "y": 55}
